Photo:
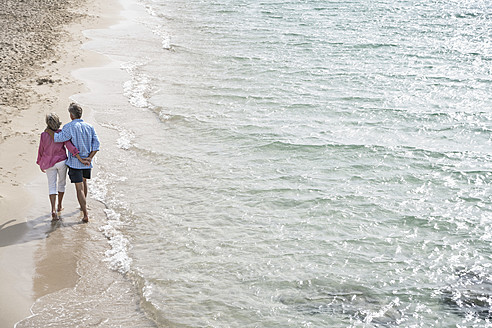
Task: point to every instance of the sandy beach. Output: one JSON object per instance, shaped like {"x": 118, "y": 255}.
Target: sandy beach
{"x": 41, "y": 46}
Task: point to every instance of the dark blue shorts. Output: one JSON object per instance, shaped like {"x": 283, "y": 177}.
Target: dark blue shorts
{"x": 77, "y": 175}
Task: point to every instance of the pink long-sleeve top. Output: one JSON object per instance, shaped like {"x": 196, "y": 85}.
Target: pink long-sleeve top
{"x": 50, "y": 152}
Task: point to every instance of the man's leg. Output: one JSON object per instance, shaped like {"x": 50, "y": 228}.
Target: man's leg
{"x": 86, "y": 190}
{"x": 79, "y": 187}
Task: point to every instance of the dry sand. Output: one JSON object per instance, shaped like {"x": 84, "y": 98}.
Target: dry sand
{"x": 40, "y": 45}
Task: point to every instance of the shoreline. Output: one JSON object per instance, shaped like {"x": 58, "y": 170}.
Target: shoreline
{"x": 42, "y": 260}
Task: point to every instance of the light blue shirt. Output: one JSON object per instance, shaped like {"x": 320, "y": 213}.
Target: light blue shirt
{"x": 83, "y": 136}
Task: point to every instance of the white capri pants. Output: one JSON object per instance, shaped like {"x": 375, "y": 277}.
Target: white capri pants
{"x": 58, "y": 170}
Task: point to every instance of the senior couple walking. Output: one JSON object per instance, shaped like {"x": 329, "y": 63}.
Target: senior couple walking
{"x": 82, "y": 143}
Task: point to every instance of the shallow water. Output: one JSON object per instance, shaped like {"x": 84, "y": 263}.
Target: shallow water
{"x": 298, "y": 163}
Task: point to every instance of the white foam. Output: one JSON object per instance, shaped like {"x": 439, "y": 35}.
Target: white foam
{"x": 126, "y": 136}
{"x": 159, "y": 31}
{"x": 117, "y": 256}
{"x": 98, "y": 188}
{"x": 165, "y": 37}
{"x": 151, "y": 10}
{"x": 138, "y": 88}
{"x": 98, "y": 185}
{"x": 125, "y": 139}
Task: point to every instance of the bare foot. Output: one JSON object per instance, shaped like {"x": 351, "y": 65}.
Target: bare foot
{"x": 54, "y": 216}
{"x": 85, "y": 219}
{"x": 60, "y": 208}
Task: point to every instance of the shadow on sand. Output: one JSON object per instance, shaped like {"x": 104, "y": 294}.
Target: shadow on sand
{"x": 39, "y": 228}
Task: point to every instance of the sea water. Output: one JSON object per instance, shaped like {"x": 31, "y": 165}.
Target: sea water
{"x": 298, "y": 163}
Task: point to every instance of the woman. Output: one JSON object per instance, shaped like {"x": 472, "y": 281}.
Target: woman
{"x": 51, "y": 160}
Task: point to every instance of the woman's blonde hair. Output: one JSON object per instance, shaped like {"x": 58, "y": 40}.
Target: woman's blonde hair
{"x": 53, "y": 121}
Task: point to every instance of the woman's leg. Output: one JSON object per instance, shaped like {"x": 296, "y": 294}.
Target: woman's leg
{"x": 54, "y": 216}
{"x": 51, "y": 173}
{"x": 62, "y": 175}
{"x": 60, "y": 199}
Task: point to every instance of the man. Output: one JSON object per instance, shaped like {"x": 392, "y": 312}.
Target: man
{"x": 84, "y": 138}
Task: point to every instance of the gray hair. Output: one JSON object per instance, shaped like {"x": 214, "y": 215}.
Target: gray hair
{"x": 53, "y": 121}
{"x": 75, "y": 110}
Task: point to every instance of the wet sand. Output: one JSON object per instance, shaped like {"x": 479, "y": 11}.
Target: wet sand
{"x": 41, "y": 46}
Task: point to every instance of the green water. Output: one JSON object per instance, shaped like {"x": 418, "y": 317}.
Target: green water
{"x": 301, "y": 163}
